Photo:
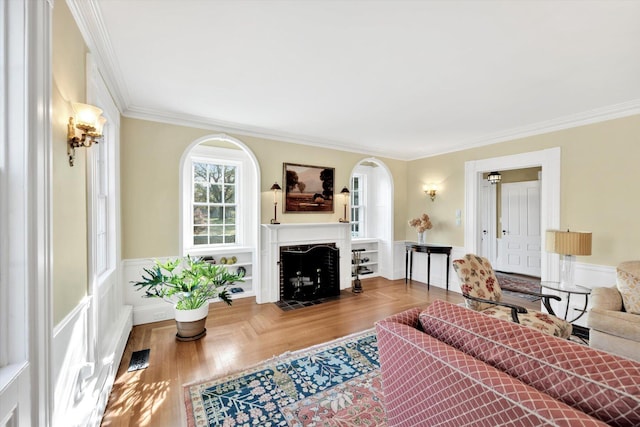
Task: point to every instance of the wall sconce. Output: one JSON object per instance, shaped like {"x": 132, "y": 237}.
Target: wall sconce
{"x": 275, "y": 188}
{"x": 89, "y": 121}
{"x": 431, "y": 191}
{"x": 494, "y": 177}
{"x": 345, "y": 194}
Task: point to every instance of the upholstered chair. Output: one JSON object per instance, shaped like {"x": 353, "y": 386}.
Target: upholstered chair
{"x": 614, "y": 314}
{"x": 482, "y": 293}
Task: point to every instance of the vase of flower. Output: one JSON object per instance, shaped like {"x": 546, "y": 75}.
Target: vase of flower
{"x": 421, "y": 224}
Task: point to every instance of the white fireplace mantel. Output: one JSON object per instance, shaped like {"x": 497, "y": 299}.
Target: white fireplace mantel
{"x": 273, "y": 236}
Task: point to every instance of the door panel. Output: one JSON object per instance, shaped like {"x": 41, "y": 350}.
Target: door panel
{"x": 520, "y": 241}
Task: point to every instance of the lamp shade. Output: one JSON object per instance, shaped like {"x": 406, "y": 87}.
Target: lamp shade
{"x": 275, "y": 187}
{"x": 568, "y": 242}
{"x": 344, "y": 191}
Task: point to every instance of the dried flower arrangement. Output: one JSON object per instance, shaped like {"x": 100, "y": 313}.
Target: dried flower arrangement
{"x": 421, "y": 223}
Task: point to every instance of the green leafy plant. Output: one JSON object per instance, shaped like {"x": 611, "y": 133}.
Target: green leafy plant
{"x": 187, "y": 282}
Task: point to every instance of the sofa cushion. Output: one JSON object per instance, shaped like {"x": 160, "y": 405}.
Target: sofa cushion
{"x": 427, "y": 382}
{"x": 602, "y": 385}
{"x": 628, "y": 275}
{"x": 618, "y": 323}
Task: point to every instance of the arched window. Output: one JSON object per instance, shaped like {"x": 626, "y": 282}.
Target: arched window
{"x": 218, "y": 191}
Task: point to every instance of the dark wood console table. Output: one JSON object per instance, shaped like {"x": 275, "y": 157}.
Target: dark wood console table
{"x": 411, "y": 247}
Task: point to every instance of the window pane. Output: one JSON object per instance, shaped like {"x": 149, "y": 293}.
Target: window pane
{"x": 230, "y": 174}
{"x": 229, "y": 193}
{"x": 230, "y": 235}
{"x": 199, "y": 172}
{"x": 356, "y": 198}
{"x": 215, "y": 234}
{"x": 199, "y": 193}
{"x": 355, "y": 214}
{"x": 200, "y": 215}
{"x": 215, "y": 193}
{"x": 230, "y": 214}
{"x": 215, "y": 215}
{"x": 200, "y": 236}
{"x": 215, "y": 173}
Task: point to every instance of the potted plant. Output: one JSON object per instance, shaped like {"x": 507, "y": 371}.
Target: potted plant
{"x": 188, "y": 283}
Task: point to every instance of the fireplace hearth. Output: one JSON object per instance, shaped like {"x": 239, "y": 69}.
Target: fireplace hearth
{"x": 309, "y": 272}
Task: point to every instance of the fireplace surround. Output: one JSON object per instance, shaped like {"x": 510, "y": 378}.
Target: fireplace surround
{"x": 276, "y": 236}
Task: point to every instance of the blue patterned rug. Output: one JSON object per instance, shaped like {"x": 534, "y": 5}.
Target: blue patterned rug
{"x": 335, "y": 383}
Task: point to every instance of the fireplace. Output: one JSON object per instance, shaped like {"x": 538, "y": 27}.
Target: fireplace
{"x": 302, "y": 236}
{"x": 309, "y": 272}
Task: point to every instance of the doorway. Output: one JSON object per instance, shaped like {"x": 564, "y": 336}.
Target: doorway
{"x": 549, "y": 161}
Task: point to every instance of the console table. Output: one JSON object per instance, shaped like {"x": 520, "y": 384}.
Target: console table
{"x": 411, "y": 247}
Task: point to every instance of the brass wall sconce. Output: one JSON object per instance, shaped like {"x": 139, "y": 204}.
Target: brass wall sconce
{"x": 431, "y": 191}
{"x": 494, "y": 177}
{"x": 345, "y": 194}
{"x": 275, "y": 188}
{"x": 90, "y": 122}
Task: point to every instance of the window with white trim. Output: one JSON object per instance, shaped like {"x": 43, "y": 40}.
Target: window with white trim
{"x": 218, "y": 192}
{"x": 214, "y": 201}
{"x": 358, "y": 183}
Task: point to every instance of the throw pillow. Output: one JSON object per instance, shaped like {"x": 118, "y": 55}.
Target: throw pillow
{"x": 628, "y": 275}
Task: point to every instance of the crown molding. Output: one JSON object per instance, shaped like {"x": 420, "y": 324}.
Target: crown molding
{"x": 89, "y": 20}
{"x": 253, "y": 131}
{"x": 616, "y": 111}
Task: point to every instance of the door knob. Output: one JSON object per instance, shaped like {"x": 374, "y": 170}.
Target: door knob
{"x": 505, "y": 232}
{"x": 484, "y": 232}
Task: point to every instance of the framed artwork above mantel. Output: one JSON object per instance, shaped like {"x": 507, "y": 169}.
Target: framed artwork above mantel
{"x": 308, "y": 189}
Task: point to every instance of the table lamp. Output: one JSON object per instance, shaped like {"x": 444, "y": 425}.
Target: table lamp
{"x": 568, "y": 244}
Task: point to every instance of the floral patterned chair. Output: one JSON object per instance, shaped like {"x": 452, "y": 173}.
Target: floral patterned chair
{"x": 482, "y": 293}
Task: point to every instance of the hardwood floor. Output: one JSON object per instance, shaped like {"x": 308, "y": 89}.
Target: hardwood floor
{"x": 243, "y": 335}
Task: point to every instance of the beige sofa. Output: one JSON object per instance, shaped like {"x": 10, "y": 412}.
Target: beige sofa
{"x": 613, "y": 329}
{"x": 614, "y": 317}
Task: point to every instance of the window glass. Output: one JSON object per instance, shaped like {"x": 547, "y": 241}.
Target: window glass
{"x": 214, "y": 202}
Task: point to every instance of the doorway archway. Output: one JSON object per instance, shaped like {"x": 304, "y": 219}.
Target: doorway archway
{"x": 549, "y": 160}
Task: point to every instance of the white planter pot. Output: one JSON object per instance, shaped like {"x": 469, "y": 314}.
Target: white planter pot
{"x": 191, "y": 323}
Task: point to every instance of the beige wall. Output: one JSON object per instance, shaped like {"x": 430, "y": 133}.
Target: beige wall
{"x": 150, "y": 163}
{"x": 69, "y": 222}
{"x": 599, "y": 172}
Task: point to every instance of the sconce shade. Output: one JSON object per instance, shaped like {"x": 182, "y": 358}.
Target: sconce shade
{"x": 275, "y": 187}
{"x": 88, "y": 117}
{"x": 568, "y": 242}
{"x": 344, "y": 191}
{"x": 494, "y": 177}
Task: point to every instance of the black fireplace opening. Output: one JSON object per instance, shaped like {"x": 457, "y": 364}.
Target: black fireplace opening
{"x": 309, "y": 272}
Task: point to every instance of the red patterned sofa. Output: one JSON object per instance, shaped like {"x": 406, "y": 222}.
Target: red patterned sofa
{"x": 451, "y": 366}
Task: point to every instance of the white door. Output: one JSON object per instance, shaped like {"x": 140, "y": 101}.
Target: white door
{"x": 487, "y": 221}
{"x": 519, "y": 248}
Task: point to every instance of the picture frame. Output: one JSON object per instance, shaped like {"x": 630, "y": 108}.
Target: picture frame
{"x": 308, "y": 189}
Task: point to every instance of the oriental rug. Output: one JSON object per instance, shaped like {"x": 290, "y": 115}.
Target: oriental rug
{"x": 512, "y": 283}
{"x": 332, "y": 384}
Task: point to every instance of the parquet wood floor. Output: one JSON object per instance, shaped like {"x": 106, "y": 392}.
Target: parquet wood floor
{"x": 243, "y": 335}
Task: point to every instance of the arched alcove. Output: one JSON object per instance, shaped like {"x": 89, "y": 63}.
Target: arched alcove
{"x": 378, "y": 213}
{"x": 245, "y": 237}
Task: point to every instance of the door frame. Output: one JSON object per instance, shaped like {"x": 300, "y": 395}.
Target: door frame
{"x": 549, "y": 160}
{"x": 492, "y": 217}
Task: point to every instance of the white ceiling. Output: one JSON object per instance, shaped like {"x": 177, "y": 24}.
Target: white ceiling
{"x": 404, "y": 79}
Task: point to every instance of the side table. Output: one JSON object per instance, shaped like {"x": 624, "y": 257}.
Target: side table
{"x": 579, "y": 331}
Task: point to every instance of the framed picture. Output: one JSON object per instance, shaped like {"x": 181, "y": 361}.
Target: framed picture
{"x": 308, "y": 188}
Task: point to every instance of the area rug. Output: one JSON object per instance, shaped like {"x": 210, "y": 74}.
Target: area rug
{"x": 511, "y": 284}
{"x": 331, "y": 384}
